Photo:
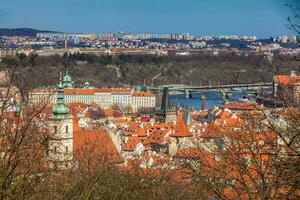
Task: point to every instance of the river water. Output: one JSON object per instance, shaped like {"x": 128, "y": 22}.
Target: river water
{"x": 212, "y": 99}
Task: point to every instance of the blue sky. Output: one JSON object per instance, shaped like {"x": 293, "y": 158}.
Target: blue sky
{"x": 263, "y": 18}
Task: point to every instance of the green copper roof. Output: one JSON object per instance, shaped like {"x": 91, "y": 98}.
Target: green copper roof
{"x": 187, "y": 117}
{"x": 60, "y": 110}
{"x": 67, "y": 80}
{"x": 138, "y": 88}
{"x": 87, "y": 85}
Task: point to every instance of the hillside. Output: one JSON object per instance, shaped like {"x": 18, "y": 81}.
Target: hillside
{"x": 20, "y": 32}
{"x": 126, "y": 70}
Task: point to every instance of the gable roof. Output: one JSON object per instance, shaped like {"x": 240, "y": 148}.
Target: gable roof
{"x": 95, "y": 145}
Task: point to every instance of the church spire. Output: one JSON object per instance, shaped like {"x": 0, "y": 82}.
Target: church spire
{"x": 67, "y": 80}
{"x": 60, "y": 110}
{"x": 187, "y": 117}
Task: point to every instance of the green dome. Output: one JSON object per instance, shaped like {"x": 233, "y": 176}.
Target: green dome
{"x": 138, "y": 89}
{"x": 67, "y": 80}
{"x": 60, "y": 109}
{"x": 87, "y": 85}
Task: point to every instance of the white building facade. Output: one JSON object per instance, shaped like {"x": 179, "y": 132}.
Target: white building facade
{"x": 142, "y": 100}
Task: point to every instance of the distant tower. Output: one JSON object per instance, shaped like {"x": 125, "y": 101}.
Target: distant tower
{"x": 166, "y": 113}
{"x": 66, "y": 43}
{"x": 67, "y": 80}
{"x": 187, "y": 119}
{"x": 60, "y": 123}
{"x": 203, "y": 102}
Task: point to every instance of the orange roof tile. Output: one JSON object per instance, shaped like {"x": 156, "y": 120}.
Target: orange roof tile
{"x": 158, "y": 137}
{"x": 79, "y": 91}
{"x": 286, "y": 80}
{"x": 118, "y": 121}
{"x": 181, "y": 130}
{"x": 94, "y": 144}
{"x": 131, "y": 143}
{"x": 193, "y": 153}
{"x": 111, "y": 113}
{"x": 243, "y": 106}
{"x": 142, "y": 94}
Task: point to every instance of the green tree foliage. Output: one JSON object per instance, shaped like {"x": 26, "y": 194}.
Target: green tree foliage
{"x": 115, "y": 107}
{"x": 22, "y": 56}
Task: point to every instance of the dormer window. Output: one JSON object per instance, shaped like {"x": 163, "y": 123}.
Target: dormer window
{"x": 217, "y": 158}
{"x": 67, "y": 129}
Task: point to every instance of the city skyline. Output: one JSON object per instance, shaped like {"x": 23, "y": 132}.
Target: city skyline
{"x": 263, "y": 19}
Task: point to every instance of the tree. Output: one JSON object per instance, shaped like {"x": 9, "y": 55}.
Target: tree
{"x": 23, "y": 143}
{"x": 65, "y": 56}
{"x": 294, "y": 19}
{"x": 127, "y": 109}
{"x": 22, "y": 56}
{"x": 115, "y": 106}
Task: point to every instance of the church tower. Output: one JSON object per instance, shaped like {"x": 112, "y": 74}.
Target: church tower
{"x": 60, "y": 123}
{"x": 67, "y": 80}
{"x": 166, "y": 113}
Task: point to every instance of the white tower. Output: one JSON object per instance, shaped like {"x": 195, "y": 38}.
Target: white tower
{"x": 60, "y": 123}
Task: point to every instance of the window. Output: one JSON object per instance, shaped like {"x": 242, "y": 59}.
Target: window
{"x": 67, "y": 129}
{"x": 55, "y": 149}
{"x": 67, "y": 150}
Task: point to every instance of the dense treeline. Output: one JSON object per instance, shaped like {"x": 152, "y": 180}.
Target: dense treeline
{"x": 128, "y": 70}
{"x": 20, "y": 32}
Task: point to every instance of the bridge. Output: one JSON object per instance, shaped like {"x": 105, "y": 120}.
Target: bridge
{"x": 224, "y": 90}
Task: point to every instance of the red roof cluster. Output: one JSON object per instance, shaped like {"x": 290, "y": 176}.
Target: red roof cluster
{"x": 143, "y": 94}
{"x": 243, "y": 106}
{"x": 287, "y": 80}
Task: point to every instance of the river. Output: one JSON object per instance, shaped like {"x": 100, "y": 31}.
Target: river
{"x": 212, "y": 99}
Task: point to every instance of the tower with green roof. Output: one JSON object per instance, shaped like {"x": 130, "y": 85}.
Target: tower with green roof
{"x": 67, "y": 80}
{"x": 87, "y": 85}
{"x": 60, "y": 123}
{"x": 187, "y": 119}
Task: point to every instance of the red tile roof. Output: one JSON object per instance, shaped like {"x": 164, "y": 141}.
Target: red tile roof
{"x": 111, "y": 113}
{"x": 143, "y": 94}
{"x": 81, "y": 104}
{"x": 94, "y": 145}
{"x": 286, "y": 79}
{"x": 159, "y": 137}
{"x": 79, "y": 91}
{"x": 131, "y": 143}
{"x": 242, "y": 106}
{"x": 181, "y": 129}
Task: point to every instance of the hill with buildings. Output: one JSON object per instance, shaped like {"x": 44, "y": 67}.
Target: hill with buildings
{"x": 20, "y": 32}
